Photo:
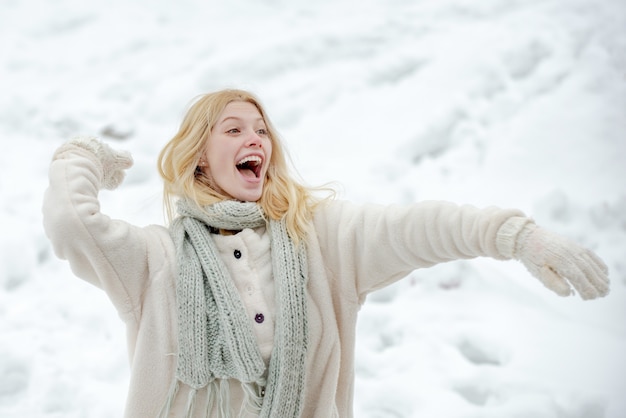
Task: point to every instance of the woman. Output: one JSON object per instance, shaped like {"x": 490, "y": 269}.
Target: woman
{"x": 247, "y": 304}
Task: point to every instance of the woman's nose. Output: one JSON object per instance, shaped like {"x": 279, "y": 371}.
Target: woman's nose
{"x": 254, "y": 140}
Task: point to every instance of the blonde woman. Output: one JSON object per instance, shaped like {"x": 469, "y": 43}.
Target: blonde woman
{"x": 246, "y": 305}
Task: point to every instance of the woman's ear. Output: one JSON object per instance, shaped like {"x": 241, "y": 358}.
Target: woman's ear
{"x": 201, "y": 164}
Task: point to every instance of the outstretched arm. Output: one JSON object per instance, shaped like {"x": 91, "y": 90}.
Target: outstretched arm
{"x": 372, "y": 246}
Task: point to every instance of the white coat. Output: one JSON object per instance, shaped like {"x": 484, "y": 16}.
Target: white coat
{"x": 353, "y": 250}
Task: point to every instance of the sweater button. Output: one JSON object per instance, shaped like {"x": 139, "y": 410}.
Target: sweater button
{"x": 259, "y": 318}
{"x": 237, "y": 254}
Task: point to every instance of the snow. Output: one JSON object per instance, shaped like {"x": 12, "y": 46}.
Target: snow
{"x": 489, "y": 102}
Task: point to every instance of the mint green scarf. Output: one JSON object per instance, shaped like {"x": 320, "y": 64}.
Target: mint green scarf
{"x": 215, "y": 336}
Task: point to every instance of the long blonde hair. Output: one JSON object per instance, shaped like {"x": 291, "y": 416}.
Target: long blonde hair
{"x": 178, "y": 162}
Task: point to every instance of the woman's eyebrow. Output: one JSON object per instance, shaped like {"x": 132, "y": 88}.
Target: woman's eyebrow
{"x": 236, "y": 118}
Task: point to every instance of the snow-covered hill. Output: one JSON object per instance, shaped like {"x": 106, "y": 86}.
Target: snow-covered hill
{"x": 512, "y": 103}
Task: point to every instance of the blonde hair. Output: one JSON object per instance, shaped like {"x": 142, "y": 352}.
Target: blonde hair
{"x": 178, "y": 162}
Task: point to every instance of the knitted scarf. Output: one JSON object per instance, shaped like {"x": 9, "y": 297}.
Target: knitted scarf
{"x": 215, "y": 337}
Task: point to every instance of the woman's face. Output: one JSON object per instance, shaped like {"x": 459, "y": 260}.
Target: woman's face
{"x": 237, "y": 153}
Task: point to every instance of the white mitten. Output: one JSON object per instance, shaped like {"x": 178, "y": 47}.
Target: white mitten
{"x": 561, "y": 264}
{"x": 113, "y": 162}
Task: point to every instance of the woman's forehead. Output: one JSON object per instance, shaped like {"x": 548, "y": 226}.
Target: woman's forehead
{"x": 240, "y": 110}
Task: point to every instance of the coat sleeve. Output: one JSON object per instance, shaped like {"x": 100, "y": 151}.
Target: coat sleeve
{"x": 373, "y": 246}
{"x": 110, "y": 254}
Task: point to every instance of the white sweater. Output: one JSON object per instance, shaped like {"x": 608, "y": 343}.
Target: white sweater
{"x": 354, "y": 250}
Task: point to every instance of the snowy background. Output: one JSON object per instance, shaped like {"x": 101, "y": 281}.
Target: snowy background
{"x": 516, "y": 103}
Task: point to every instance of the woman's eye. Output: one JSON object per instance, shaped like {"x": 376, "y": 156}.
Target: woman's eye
{"x": 262, "y": 131}
{"x": 232, "y": 131}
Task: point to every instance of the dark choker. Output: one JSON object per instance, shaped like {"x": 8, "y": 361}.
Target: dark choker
{"x": 219, "y": 231}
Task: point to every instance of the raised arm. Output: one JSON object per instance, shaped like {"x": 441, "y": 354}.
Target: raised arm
{"x": 110, "y": 254}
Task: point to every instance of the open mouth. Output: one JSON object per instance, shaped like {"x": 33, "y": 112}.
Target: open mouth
{"x": 250, "y": 166}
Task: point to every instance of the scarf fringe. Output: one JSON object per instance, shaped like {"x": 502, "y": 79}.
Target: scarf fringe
{"x": 210, "y": 398}
{"x": 252, "y": 400}
{"x": 167, "y": 406}
{"x": 191, "y": 401}
{"x": 223, "y": 410}
{"x": 218, "y": 399}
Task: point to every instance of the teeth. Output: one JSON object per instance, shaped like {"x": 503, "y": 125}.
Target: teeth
{"x": 252, "y": 158}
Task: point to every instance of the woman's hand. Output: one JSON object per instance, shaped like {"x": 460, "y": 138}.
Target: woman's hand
{"x": 561, "y": 264}
{"x": 114, "y": 162}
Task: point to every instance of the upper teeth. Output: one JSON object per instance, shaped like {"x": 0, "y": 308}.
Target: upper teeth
{"x": 251, "y": 158}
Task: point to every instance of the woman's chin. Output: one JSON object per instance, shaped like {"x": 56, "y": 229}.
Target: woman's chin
{"x": 247, "y": 195}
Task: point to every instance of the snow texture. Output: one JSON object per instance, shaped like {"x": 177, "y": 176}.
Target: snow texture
{"x": 514, "y": 103}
